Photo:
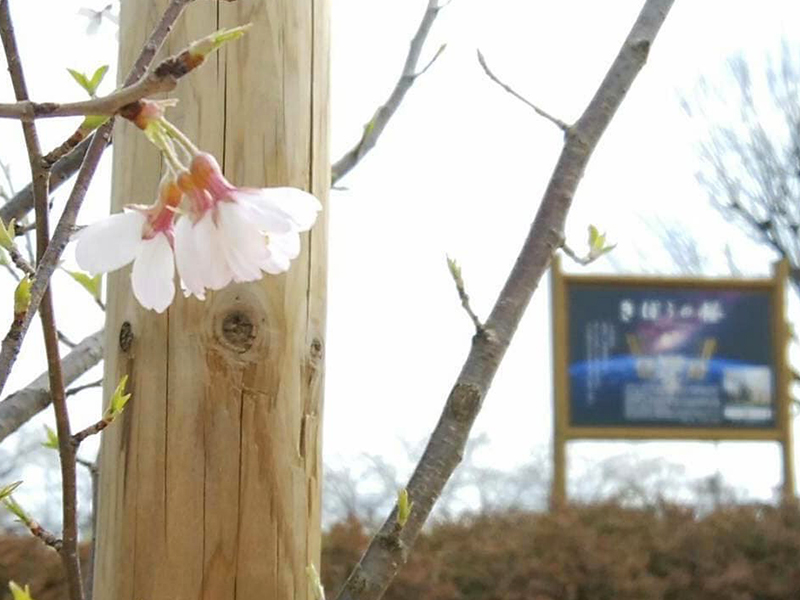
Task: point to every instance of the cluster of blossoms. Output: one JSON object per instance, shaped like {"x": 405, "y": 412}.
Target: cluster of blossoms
{"x": 214, "y": 232}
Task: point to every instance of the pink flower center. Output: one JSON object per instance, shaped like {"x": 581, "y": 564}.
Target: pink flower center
{"x": 207, "y": 175}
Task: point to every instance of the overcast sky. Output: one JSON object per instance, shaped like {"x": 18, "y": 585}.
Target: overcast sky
{"x": 460, "y": 171}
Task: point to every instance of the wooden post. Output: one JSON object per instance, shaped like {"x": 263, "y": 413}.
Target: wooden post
{"x": 558, "y": 493}
{"x": 210, "y": 481}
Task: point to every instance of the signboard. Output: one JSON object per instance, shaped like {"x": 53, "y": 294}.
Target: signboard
{"x": 649, "y": 355}
{"x": 669, "y": 358}
{"x": 660, "y": 358}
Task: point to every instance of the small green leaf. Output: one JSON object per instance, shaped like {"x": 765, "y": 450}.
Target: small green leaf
{"x": 404, "y": 507}
{"x": 92, "y": 122}
{"x": 16, "y": 509}
{"x": 97, "y": 77}
{"x": 93, "y": 285}
{"x": 3, "y": 259}
{"x": 118, "y": 400}
{"x": 22, "y": 296}
{"x": 455, "y": 269}
{"x": 208, "y": 44}
{"x": 9, "y": 489}
{"x": 81, "y": 80}
{"x": 7, "y": 234}
{"x": 316, "y": 583}
{"x": 52, "y": 439}
{"x": 19, "y": 593}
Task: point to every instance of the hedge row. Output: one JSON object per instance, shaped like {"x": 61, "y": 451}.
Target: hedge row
{"x": 603, "y": 552}
{"x": 600, "y": 552}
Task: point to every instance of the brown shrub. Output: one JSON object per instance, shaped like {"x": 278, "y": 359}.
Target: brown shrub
{"x": 597, "y": 552}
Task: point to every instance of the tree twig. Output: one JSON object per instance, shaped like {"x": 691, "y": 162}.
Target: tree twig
{"x": 86, "y": 386}
{"x": 556, "y": 121}
{"x": 68, "y": 549}
{"x": 455, "y": 272}
{"x": 92, "y": 429}
{"x": 18, "y": 408}
{"x": 20, "y": 262}
{"x": 62, "y": 337}
{"x": 22, "y": 202}
{"x": 105, "y": 105}
{"x": 49, "y": 538}
{"x": 381, "y": 561}
{"x": 374, "y": 129}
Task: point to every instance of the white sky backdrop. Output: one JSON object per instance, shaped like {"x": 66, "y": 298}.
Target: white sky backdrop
{"x": 460, "y": 171}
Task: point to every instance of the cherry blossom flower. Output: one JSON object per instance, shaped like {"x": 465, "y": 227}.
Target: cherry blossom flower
{"x": 142, "y": 234}
{"x": 235, "y": 234}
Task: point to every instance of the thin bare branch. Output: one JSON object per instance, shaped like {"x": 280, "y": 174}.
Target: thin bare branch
{"x": 22, "y": 202}
{"x": 62, "y": 337}
{"x": 68, "y": 549}
{"x": 375, "y": 127}
{"x": 581, "y": 260}
{"x": 556, "y": 121}
{"x": 20, "y": 262}
{"x": 105, "y": 105}
{"x": 92, "y": 429}
{"x": 455, "y": 272}
{"x": 21, "y": 406}
{"x": 86, "y": 386}
{"x": 380, "y": 563}
{"x": 32, "y": 524}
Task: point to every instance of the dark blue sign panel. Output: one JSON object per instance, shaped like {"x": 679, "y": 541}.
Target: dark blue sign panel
{"x": 669, "y": 356}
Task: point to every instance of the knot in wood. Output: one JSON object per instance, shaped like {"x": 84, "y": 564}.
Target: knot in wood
{"x": 464, "y": 402}
{"x": 238, "y": 330}
{"x": 125, "y": 336}
{"x": 316, "y": 348}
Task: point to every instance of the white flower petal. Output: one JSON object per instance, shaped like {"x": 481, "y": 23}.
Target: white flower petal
{"x": 263, "y": 214}
{"x": 109, "y": 244}
{"x": 287, "y": 244}
{"x": 211, "y": 261}
{"x": 241, "y": 242}
{"x": 189, "y": 268}
{"x": 300, "y": 206}
{"x": 276, "y": 263}
{"x": 153, "y": 274}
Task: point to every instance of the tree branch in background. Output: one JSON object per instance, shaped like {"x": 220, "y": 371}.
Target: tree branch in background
{"x": 22, "y": 202}
{"x": 374, "y": 129}
{"x": 49, "y": 261}
{"x": 21, "y": 406}
{"x": 382, "y": 560}
{"x": 556, "y": 121}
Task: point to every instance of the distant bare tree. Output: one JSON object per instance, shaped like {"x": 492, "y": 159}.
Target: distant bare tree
{"x": 750, "y": 151}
